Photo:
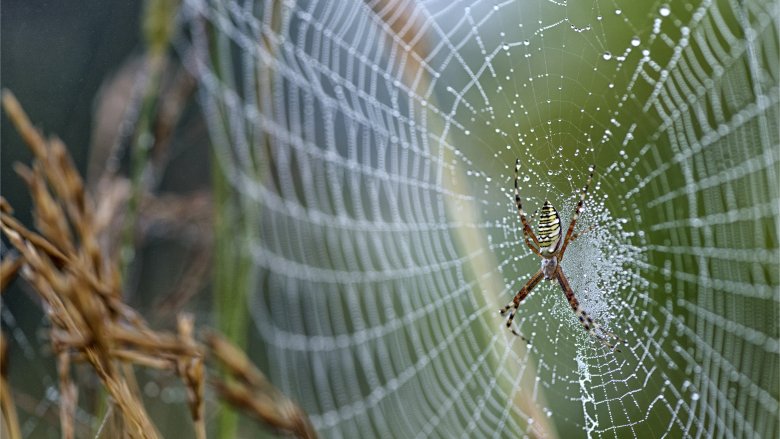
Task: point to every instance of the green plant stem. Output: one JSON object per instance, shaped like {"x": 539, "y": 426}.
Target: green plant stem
{"x": 231, "y": 279}
{"x": 158, "y": 26}
{"x": 143, "y": 142}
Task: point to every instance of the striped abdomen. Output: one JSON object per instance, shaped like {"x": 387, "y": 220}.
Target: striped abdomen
{"x": 549, "y": 231}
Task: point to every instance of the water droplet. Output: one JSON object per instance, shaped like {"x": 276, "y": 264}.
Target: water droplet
{"x": 635, "y": 41}
{"x": 618, "y": 11}
{"x": 607, "y": 56}
{"x": 665, "y": 11}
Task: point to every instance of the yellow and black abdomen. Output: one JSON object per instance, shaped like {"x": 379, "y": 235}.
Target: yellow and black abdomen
{"x": 549, "y": 232}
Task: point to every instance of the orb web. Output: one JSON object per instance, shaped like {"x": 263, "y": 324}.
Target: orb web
{"x": 372, "y": 145}
{"x": 377, "y": 141}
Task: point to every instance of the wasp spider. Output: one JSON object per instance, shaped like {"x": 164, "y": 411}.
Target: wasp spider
{"x": 550, "y": 247}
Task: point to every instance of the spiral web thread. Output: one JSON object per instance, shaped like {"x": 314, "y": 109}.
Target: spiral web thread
{"x": 376, "y": 143}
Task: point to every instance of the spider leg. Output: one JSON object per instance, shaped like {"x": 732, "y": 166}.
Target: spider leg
{"x": 576, "y": 215}
{"x": 609, "y": 339}
{"x": 577, "y": 235}
{"x": 528, "y": 233}
{"x": 531, "y": 246}
{"x": 519, "y": 297}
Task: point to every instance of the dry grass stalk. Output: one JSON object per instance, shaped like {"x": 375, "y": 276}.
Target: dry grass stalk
{"x": 251, "y": 391}
{"x": 81, "y": 288}
{"x": 192, "y": 372}
{"x": 9, "y": 267}
{"x": 79, "y": 283}
{"x": 68, "y": 395}
{"x": 10, "y": 423}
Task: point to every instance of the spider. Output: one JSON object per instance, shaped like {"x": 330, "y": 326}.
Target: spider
{"x": 551, "y": 248}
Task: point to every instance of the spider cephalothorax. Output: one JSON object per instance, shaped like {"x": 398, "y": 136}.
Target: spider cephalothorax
{"x": 549, "y": 265}
{"x": 548, "y": 245}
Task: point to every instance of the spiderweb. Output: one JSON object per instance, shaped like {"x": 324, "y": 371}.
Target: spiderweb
{"x": 372, "y": 146}
{"x": 377, "y": 141}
